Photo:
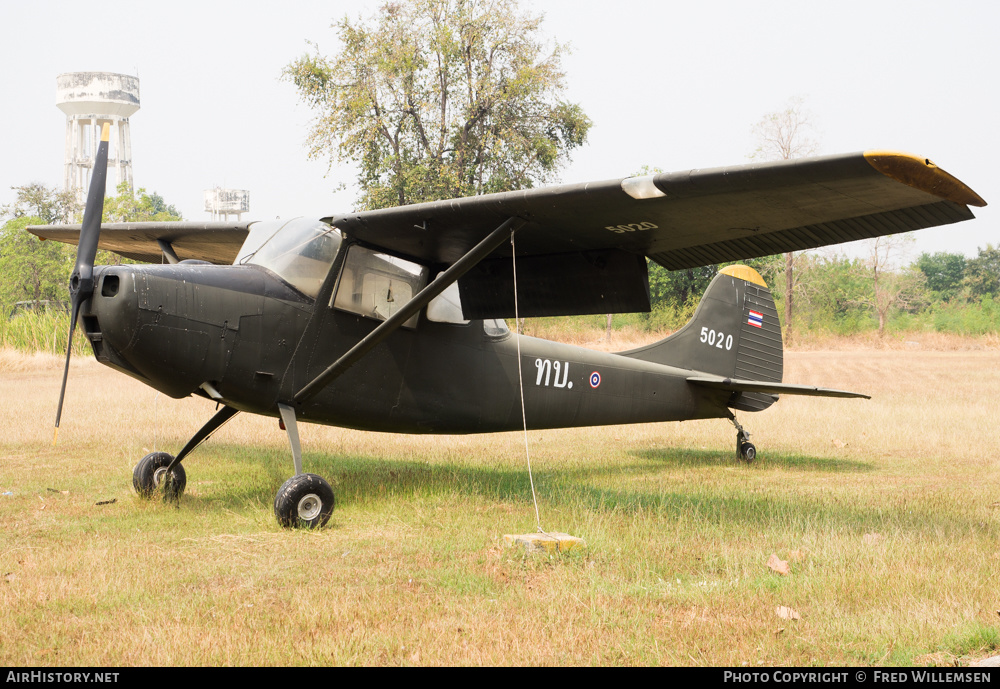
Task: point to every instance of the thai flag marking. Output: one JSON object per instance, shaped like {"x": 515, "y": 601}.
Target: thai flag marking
{"x": 756, "y": 319}
{"x": 595, "y": 379}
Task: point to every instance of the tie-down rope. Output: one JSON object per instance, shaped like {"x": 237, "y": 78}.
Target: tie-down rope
{"x": 520, "y": 380}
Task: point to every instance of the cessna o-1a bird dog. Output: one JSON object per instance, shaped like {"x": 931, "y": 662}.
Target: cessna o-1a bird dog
{"x": 390, "y": 320}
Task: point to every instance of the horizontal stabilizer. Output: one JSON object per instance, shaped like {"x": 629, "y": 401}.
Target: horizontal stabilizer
{"x": 734, "y": 385}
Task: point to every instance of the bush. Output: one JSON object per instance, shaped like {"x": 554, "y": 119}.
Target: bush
{"x": 44, "y": 331}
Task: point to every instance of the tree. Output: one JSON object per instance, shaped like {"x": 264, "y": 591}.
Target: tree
{"x": 783, "y": 135}
{"x": 677, "y": 287}
{"x": 30, "y": 269}
{"x": 133, "y": 206}
{"x": 828, "y": 298}
{"x": 944, "y": 273}
{"x": 890, "y": 289}
{"x": 982, "y": 273}
{"x": 35, "y": 270}
{"x": 436, "y": 99}
{"x": 47, "y": 204}
{"x": 138, "y": 206}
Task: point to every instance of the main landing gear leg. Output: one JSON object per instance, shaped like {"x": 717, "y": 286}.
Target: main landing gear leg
{"x": 305, "y": 499}
{"x": 162, "y": 469}
{"x": 744, "y": 449}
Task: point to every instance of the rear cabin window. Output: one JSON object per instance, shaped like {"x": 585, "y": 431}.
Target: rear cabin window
{"x": 376, "y": 285}
{"x": 447, "y": 307}
{"x": 496, "y": 328}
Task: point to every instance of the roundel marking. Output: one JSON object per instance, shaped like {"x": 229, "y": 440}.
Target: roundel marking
{"x": 595, "y": 379}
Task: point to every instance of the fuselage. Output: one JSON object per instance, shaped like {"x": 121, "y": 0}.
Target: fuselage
{"x": 244, "y": 336}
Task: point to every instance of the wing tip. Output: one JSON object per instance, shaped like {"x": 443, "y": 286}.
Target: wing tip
{"x": 921, "y": 173}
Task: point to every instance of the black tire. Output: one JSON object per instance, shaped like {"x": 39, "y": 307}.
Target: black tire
{"x": 748, "y": 452}
{"x": 305, "y": 500}
{"x": 149, "y": 473}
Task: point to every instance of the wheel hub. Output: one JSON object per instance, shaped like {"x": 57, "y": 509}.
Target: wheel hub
{"x": 158, "y": 475}
{"x": 310, "y": 507}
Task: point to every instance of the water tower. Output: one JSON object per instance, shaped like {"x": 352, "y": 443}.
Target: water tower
{"x": 90, "y": 99}
{"x": 222, "y": 203}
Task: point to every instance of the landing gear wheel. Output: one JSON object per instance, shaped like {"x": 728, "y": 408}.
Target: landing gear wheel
{"x": 748, "y": 452}
{"x": 149, "y": 473}
{"x": 304, "y": 500}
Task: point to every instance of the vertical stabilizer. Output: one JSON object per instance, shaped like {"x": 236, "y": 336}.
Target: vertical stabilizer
{"x": 734, "y": 333}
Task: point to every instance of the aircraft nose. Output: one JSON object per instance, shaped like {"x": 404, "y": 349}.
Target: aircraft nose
{"x": 108, "y": 317}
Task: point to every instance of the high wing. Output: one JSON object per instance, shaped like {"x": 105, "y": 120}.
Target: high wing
{"x": 216, "y": 242}
{"x": 582, "y": 247}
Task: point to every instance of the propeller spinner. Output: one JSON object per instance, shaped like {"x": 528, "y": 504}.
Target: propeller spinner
{"x": 81, "y": 282}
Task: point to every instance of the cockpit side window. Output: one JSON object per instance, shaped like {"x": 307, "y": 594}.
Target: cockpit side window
{"x": 300, "y": 253}
{"x": 377, "y": 285}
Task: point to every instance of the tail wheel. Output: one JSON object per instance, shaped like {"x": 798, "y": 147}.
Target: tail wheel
{"x": 149, "y": 473}
{"x": 304, "y": 500}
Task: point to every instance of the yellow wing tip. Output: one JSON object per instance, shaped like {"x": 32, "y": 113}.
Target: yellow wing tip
{"x": 921, "y": 173}
{"x": 745, "y": 273}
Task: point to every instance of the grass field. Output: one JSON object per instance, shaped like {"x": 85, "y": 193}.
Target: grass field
{"x": 887, "y": 512}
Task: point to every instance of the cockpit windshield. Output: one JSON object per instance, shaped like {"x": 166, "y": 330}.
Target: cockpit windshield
{"x": 300, "y": 252}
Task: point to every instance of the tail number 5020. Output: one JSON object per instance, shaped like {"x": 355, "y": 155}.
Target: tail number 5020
{"x": 716, "y": 338}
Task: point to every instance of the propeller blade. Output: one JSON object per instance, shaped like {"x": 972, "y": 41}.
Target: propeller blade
{"x": 81, "y": 282}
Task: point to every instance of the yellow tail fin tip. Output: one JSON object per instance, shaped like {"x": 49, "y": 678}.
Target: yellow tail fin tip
{"x": 744, "y": 273}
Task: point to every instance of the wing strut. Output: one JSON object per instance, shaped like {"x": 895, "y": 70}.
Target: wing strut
{"x": 168, "y": 251}
{"x": 439, "y": 285}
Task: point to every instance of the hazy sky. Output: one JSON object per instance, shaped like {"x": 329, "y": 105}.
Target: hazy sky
{"x": 675, "y": 85}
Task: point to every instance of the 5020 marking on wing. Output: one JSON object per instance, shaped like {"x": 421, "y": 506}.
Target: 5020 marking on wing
{"x": 631, "y": 227}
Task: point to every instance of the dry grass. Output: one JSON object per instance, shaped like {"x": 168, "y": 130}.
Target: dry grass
{"x": 629, "y": 337}
{"x": 918, "y": 341}
{"x": 885, "y": 509}
{"x": 16, "y": 361}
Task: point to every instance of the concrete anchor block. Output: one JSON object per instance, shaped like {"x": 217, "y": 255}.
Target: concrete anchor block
{"x": 545, "y": 543}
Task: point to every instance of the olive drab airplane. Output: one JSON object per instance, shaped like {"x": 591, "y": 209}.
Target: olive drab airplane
{"x": 391, "y": 320}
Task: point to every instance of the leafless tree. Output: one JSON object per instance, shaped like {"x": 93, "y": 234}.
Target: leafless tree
{"x": 892, "y": 287}
{"x": 782, "y": 135}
